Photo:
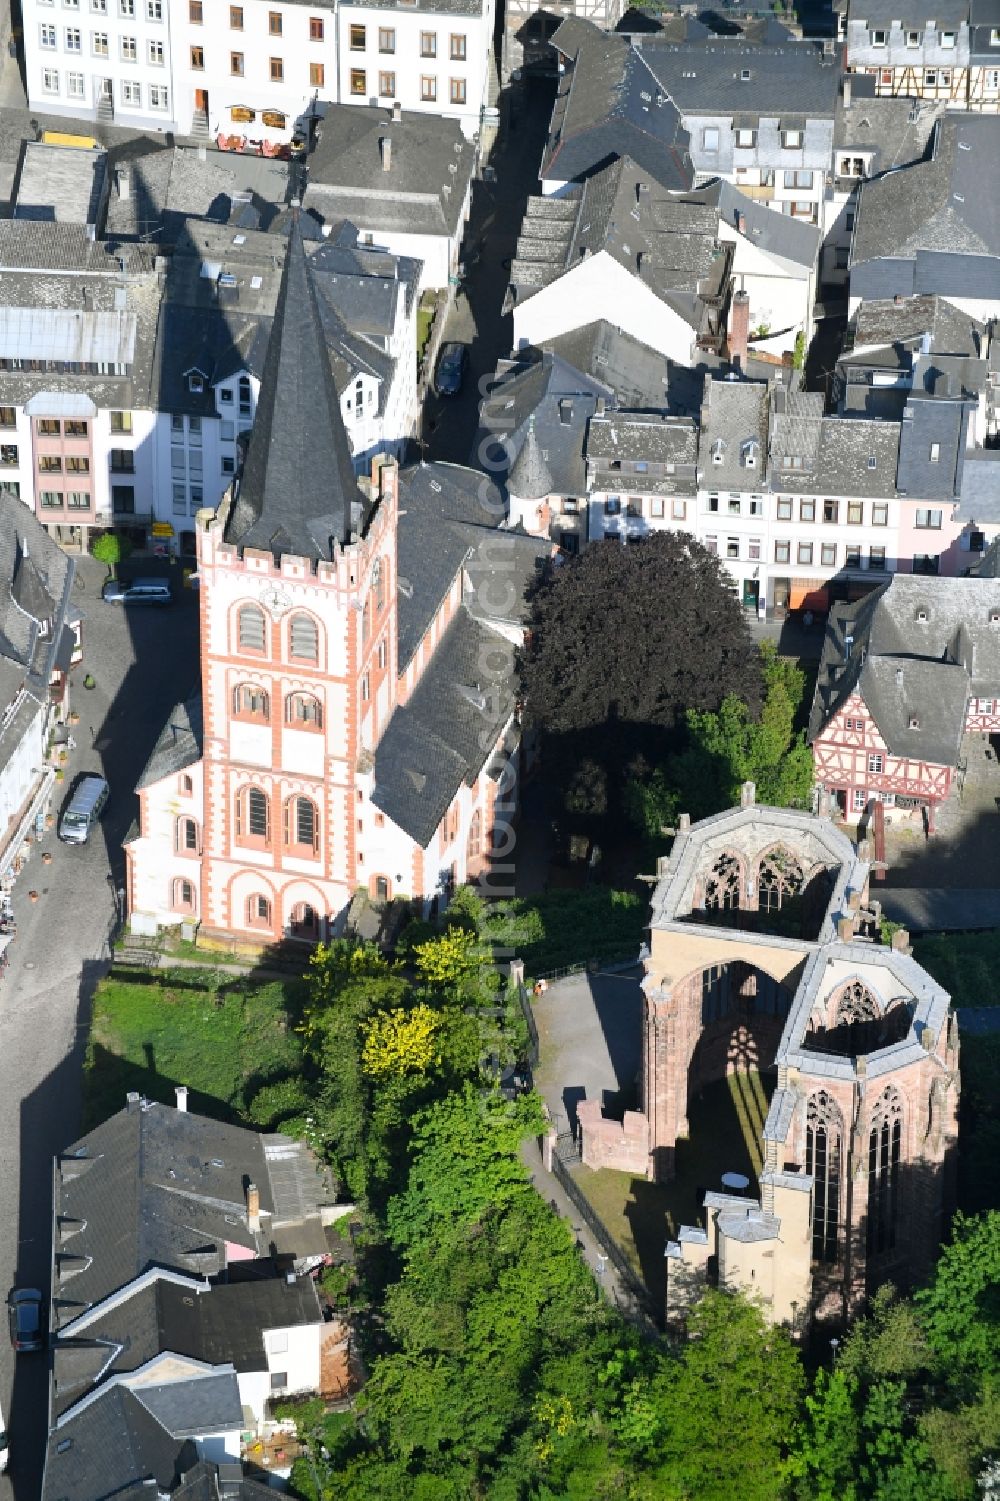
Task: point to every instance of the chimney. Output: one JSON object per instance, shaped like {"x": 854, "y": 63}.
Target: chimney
{"x": 739, "y": 329}
{"x": 122, "y": 182}
{"x": 397, "y": 112}
{"x": 385, "y": 149}
{"x": 683, "y": 823}
{"x": 901, "y": 941}
{"x": 845, "y": 929}
{"x": 180, "y": 1090}
{"x": 253, "y": 1208}
{"x": 748, "y": 795}
{"x": 132, "y": 1100}
{"x": 847, "y": 90}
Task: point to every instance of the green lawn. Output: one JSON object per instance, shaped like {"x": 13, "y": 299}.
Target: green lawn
{"x": 966, "y": 964}
{"x": 560, "y": 928}
{"x": 221, "y": 1038}
{"x": 726, "y": 1121}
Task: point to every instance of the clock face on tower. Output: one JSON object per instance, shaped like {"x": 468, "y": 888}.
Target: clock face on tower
{"x": 275, "y": 600}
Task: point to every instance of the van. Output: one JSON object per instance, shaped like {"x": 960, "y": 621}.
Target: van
{"x": 137, "y": 592}
{"x": 84, "y": 809}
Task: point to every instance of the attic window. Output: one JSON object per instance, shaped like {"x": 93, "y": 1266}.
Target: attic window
{"x": 914, "y": 722}
{"x": 921, "y": 615}
{"x": 196, "y": 381}
{"x": 935, "y": 452}
{"x": 239, "y": 239}
{"x": 745, "y": 75}
{"x": 750, "y": 454}
{"x": 872, "y": 461}
{"x": 995, "y": 617}
{"x": 718, "y": 450}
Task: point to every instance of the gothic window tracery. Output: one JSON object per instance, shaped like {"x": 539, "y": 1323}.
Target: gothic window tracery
{"x": 856, "y": 1004}
{"x": 824, "y": 1147}
{"x": 722, "y": 888}
{"x": 885, "y": 1138}
{"x": 780, "y": 877}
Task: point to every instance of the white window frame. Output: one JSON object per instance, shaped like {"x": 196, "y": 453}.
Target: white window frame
{"x": 50, "y": 80}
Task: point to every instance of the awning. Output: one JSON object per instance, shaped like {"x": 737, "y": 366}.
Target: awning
{"x": 807, "y": 594}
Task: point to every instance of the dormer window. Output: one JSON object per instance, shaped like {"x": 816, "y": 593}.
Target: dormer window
{"x": 791, "y": 139}
{"x": 196, "y": 382}
{"x": 718, "y": 451}
{"x": 995, "y": 37}
{"x": 878, "y": 38}
{"x": 995, "y": 617}
{"x": 750, "y": 451}
{"x": 948, "y": 40}
{"x": 921, "y": 616}
{"x": 914, "y": 722}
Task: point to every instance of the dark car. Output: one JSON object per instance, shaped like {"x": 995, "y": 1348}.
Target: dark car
{"x": 137, "y": 592}
{"x": 451, "y": 369}
{"x": 24, "y": 1311}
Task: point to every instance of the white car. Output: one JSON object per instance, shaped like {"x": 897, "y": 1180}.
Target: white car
{"x": 3, "y": 1445}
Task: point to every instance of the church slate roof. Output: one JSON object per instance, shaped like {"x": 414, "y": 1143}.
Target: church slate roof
{"x": 298, "y": 493}
{"x": 446, "y": 731}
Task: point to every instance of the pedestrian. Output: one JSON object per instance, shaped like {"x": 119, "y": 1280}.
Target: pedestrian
{"x": 807, "y": 620}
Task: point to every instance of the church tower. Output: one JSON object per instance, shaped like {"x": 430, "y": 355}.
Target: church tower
{"x": 298, "y": 645}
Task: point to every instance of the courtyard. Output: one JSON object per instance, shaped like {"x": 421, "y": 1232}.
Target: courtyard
{"x": 589, "y": 1029}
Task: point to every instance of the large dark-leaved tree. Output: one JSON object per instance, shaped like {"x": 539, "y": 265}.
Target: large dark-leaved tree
{"x": 623, "y": 641}
{"x": 638, "y": 634}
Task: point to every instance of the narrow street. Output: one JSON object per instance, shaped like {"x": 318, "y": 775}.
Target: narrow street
{"x": 476, "y": 317}
{"x": 142, "y": 662}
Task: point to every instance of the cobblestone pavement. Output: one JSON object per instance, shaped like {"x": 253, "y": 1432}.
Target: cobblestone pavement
{"x": 143, "y": 663}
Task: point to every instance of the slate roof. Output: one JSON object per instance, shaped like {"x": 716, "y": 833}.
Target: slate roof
{"x": 668, "y": 243}
{"x": 665, "y": 447}
{"x": 796, "y": 431}
{"x": 60, "y": 184}
{"x": 166, "y": 186}
{"x": 113, "y": 1444}
{"x": 420, "y": 194}
{"x": 608, "y": 105}
{"x": 224, "y": 1482}
{"x": 154, "y": 1186}
{"x": 538, "y": 413}
{"x": 215, "y": 1325}
{"x": 734, "y": 413}
{"x": 706, "y": 78}
{"x": 776, "y": 234}
{"x": 179, "y": 745}
{"x": 445, "y": 733}
{"x": 980, "y": 493}
{"x": 919, "y": 646}
{"x": 847, "y": 445}
{"x": 36, "y": 579}
{"x": 638, "y": 376}
{"x": 896, "y": 131}
{"x": 277, "y": 507}
{"x": 936, "y": 205}
{"x": 896, "y": 329}
{"x": 443, "y": 511}
{"x": 930, "y": 426}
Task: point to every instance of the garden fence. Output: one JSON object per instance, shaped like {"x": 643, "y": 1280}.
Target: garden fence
{"x": 639, "y": 1309}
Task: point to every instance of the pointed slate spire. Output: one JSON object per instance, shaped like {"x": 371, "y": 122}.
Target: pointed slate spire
{"x": 530, "y": 477}
{"x": 298, "y": 492}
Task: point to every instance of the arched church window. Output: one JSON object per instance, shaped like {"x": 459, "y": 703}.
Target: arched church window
{"x": 722, "y": 889}
{"x": 856, "y": 1004}
{"x": 824, "y": 1149}
{"x": 884, "y": 1149}
{"x": 780, "y": 878}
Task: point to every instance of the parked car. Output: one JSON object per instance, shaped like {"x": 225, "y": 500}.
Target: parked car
{"x": 451, "y": 369}
{"x": 24, "y": 1312}
{"x": 4, "y": 1451}
{"x": 137, "y": 592}
{"x": 83, "y": 809}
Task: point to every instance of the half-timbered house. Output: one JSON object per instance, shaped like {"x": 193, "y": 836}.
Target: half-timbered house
{"x": 905, "y": 674}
